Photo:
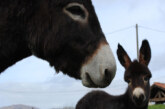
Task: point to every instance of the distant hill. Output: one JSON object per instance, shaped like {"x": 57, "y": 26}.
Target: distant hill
{"x": 19, "y": 107}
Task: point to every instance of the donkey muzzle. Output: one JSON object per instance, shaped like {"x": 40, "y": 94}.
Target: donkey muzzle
{"x": 139, "y": 96}
{"x": 100, "y": 70}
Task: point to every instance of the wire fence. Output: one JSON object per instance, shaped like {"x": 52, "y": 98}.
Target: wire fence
{"x": 133, "y": 27}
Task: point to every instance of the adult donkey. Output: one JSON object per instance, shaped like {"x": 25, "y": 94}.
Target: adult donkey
{"x": 66, "y": 33}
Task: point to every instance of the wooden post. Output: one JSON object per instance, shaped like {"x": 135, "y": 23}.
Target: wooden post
{"x": 137, "y": 42}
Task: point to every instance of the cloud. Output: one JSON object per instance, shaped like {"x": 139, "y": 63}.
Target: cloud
{"x": 31, "y": 69}
{"x": 50, "y": 94}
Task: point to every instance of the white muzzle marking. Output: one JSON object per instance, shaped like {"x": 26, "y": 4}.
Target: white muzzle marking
{"x": 138, "y": 91}
{"x": 97, "y": 65}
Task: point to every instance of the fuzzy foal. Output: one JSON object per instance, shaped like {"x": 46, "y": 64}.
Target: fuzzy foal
{"x": 137, "y": 75}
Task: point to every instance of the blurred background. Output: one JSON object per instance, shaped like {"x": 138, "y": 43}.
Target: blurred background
{"x": 33, "y": 82}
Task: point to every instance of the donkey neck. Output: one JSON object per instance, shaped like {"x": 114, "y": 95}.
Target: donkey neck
{"x": 129, "y": 103}
{"x": 12, "y": 49}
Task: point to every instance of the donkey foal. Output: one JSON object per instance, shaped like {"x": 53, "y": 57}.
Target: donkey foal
{"x": 137, "y": 75}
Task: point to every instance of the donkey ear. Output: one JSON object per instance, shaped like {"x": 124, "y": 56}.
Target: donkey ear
{"x": 124, "y": 59}
{"x": 145, "y": 53}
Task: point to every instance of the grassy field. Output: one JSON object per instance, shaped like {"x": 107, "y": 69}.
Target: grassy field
{"x": 157, "y": 107}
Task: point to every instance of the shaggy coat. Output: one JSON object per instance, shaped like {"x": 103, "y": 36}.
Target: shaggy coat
{"x": 102, "y": 100}
{"x": 32, "y": 27}
{"x": 137, "y": 75}
{"x": 66, "y": 33}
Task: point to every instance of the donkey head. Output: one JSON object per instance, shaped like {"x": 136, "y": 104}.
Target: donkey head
{"x": 137, "y": 74}
{"x": 70, "y": 39}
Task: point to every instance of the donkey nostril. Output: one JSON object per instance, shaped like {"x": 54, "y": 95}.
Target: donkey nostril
{"x": 139, "y": 99}
{"x": 134, "y": 98}
{"x": 107, "y": 76}
{"x": 90, "y": 80}
{"x": 106, "y": 71}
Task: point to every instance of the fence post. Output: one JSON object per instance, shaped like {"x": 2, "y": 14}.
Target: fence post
{"x": 137, "y": 42}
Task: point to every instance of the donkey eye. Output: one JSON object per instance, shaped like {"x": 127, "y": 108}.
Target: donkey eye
{"x": 146, "y": 78}
{"x": 128, "y": 81}
{"x": 76, "y": 11}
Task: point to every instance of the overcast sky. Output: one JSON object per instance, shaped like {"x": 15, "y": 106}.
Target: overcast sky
{"x": 33, "y": 82}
